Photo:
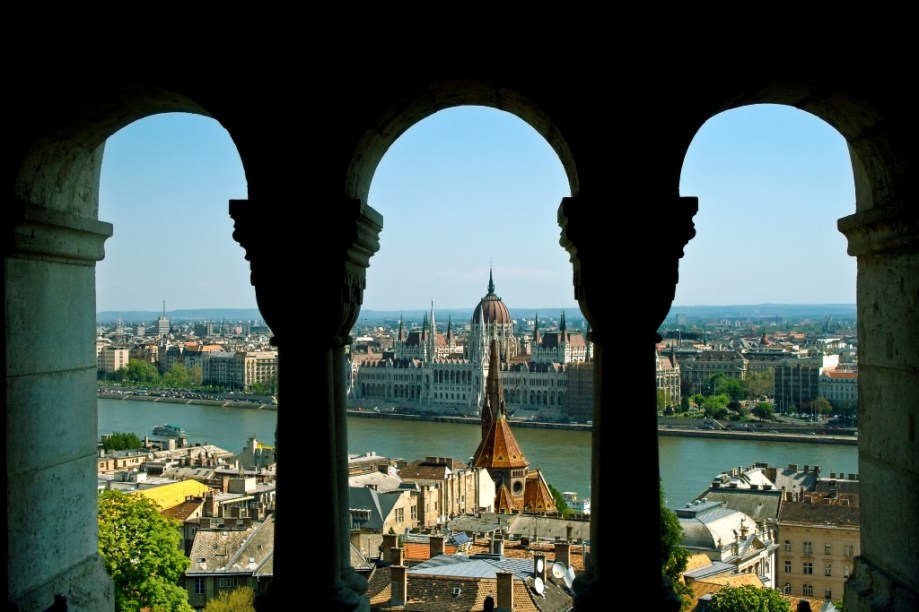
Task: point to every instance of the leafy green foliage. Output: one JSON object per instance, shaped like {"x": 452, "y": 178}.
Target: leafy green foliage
{"x": 138, "y": 372}
{"x": 674, "y": 556}
{"x": 140, "y": 550}
{"x": 121, "y": 441}
{"x": 748, "y": 598}
{"x": 177, "y": 377}
{"x": 764, "y": 410}
{"x": 234, "y": 600}
{"x": 560, "y": 504}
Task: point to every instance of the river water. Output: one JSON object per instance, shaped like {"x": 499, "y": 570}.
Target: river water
{"x": 687, "y": 464}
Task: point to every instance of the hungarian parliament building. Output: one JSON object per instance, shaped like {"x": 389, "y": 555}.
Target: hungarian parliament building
{"x": 546, "y": 374}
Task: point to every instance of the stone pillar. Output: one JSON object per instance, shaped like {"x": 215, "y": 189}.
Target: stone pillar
{"x": 886, "y": 241}
{"x": 333, "y": 268}
{"x": 51, "y": 409}
{"x": 646, "y": 271}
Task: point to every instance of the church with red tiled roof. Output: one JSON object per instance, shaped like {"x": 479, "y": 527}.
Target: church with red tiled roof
{"x": 517, "y": 488}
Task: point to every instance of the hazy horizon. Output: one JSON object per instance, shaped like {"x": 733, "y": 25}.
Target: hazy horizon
{"x": 471, "y": 191}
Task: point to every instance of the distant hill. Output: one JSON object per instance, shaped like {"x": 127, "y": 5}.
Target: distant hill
{"x": 762, "y": 311}
{"x": 461, "y": 316}
{"x": 203, "y": 314}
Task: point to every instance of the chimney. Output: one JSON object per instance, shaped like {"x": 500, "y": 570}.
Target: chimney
{"x": 505, "y": 592}
{"x": 398, "y": 585}
{"x": 205, "y": 522}
{"x": 210, "y": 504}
{"x": 437, "y": 545}
{"x": 563, "y": 553}
{"x": 356, "y": 538}
{"x": 497, "y": 546}
{"x": 225, "y": 484}
{"x": 389, "y": 542}
{"x": 395, "y": 555}
{"x": 539, "y": 567}
{"x": 568, "y": 530}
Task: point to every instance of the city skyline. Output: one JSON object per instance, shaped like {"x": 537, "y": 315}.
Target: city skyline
{"x": 771, "y": 183}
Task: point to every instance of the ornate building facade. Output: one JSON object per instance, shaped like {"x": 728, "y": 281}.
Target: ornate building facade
{"x": 446, "y": 373}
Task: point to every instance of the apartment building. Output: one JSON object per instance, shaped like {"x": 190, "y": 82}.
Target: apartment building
{"x": 819, "y": 538}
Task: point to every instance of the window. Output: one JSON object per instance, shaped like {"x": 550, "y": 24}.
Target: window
{"x": 828, "y": 569}
{"x": 787, "y": 545}
{"x": 808, "y": 590}
{"x": 788, "y": 567}
{"x": 828, "y": 549}
{"x": 808, "y": 567}
{"x": 400, "y": 515}
{"x": 847, "y": 550}
{"x": 227, "y": 583}
{"x": 808, "y": 547}
{"x": 828, "y": 594}
{"x": 199, "y": 586}
{"x": 414, "y": 512}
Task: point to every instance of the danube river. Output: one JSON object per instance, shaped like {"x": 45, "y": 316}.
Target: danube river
{"x": 687, "y": 464}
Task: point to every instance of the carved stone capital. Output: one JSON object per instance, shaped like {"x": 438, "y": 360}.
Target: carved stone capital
{"x": 42, "y": 233}
{"x": 878, "y": 230}
{"x": 610, "y": 261}
{"x": 327, "y": 258}
{"x": 870, "y": 588}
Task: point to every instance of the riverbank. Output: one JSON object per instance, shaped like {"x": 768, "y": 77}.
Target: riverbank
{"x": 223, "y": 403}
{"x": 666, "y": 427}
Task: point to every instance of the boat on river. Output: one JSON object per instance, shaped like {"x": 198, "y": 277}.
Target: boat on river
{"x": 169, "y": 431}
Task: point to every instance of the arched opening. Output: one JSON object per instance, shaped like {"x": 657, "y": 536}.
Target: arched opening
{"x": 172, "y": 263}
{"x": 53, "y": 170}
{"x": 765, "y": 283}
{"x": 469, "y": 195}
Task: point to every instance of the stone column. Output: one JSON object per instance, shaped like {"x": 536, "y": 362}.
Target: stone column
{"x": 329, "y": 262}
{"x": 609, "y": 276}
{"x": 886, "y": 242}
{"x": 52, "y": 410}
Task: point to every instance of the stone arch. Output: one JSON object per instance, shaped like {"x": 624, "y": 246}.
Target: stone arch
{"x": 416, "y": 105}
{"x": 51, "y": 273}
{"x": 60, "y": 171}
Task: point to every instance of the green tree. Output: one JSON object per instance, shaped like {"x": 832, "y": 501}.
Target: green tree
{"x": 140, "y": 549}
{"x": 560, "y": 504}
{"x": 764, "y": 410}
{"x": 823, "y": 406}
{"x": 138, "y": 372}
{"x": 177, "y": 377}
{"x": 716, "y": 406}
{"x": 196, "y": 374}
{"x": 748, "y": 598}
{"x": 758, "y": 383}
{"x": 122, "y": 441}
{"x": 725, "y": 385}
{"x": 234, "y": 600}
{"x": 674, "y": 556}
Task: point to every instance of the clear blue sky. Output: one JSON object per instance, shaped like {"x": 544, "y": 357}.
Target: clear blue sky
{"x": 470, "y": 188}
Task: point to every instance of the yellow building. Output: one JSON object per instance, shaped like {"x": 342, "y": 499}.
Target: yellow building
{"x": 818, "y": 542}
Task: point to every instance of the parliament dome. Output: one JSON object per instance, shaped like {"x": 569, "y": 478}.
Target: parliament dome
{"x": 491, "y": 308}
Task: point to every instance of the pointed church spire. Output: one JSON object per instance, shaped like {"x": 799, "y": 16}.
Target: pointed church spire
{"x": 491, "y": 282}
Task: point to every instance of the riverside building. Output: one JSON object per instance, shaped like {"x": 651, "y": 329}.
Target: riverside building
{"x": 445, "y": 373}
